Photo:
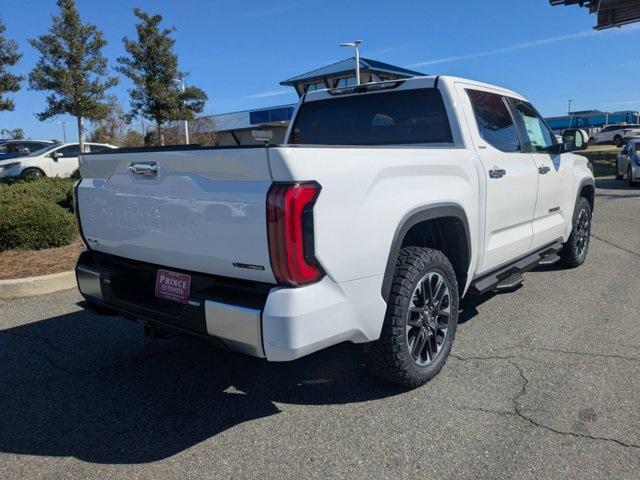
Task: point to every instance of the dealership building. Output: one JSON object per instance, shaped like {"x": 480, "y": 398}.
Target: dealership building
{"x": 236, "y": 128}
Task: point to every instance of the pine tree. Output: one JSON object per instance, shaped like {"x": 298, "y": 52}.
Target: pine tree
{"x": 9, "y": 56}
{"x": 72, "y": 68}
{"x": 152, "y": 66}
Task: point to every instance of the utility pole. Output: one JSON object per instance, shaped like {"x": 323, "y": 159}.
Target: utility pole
{"x": 186, "y": 123}
{"x": 355, "y": 45}
{"x": 64, "y": 130}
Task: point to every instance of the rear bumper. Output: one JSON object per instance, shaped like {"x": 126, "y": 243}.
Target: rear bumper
{"x": 261, "y": 320}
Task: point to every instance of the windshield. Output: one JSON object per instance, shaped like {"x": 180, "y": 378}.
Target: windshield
{"x": 44, "y": 150}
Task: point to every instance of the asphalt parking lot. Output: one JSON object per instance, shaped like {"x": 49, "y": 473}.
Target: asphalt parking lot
{"x": 543, "y": 382}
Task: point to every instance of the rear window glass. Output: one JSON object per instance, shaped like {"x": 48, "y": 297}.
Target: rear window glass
{"x": 389, "y": 118}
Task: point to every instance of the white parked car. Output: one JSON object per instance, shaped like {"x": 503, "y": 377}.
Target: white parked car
{"x": 56, "y": 160}
{"x": 628, "y": 162}
{"x": 388, "y": 203}
{"x": 616, "y": 134}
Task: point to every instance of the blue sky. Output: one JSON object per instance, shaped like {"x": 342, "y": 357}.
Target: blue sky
{"x": 238, "y": 51}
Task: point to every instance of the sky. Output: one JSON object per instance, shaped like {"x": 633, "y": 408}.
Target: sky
{"x": 238, "y": 51}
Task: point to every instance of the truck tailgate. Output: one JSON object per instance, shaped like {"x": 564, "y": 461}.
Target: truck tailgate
{"x": 202, "y": 210}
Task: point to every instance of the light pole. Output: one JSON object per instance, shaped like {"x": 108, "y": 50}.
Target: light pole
{"x": 64, "y": 130}
{"x": 355, "y": 45}
{"x": 186, "y": 123}
{"x": 570, "y": 102}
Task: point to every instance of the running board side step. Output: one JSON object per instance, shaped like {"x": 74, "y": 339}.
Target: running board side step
{"x": 510, "y": 276}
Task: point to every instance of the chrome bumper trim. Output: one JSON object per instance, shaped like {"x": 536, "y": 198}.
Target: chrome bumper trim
{"x": 238, "y": 327}
{"x": 89, "y": 282}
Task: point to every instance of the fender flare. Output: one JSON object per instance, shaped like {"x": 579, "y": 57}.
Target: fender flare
{"x": 412, "y": 218}
{"x": 583, "y": 183}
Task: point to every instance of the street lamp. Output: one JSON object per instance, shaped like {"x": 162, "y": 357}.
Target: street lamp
{"x": 64, "y": 130}
{"x": 356, "y": 46}
{"x": 180, "y": 81}
{"x": 570, "y": 102}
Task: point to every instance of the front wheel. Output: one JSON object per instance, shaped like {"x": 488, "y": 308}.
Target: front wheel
{"x": 421, "y": 319}
{"x": 32, "y": 173}
{"x": 574, "y": 251}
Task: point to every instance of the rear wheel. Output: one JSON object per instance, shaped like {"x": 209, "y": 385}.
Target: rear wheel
{"x": 618, "y": 141}
{"x": 592, "y": 141}
{"x": 630, "y": 179}
{"x": 32, "y": 173}
{"x": 421, "y": 319}
{"x": 574, "y": 251}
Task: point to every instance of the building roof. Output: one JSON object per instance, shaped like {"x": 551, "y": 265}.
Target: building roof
{"x": 348, "y": 65}
{"x": 245, "y": 119}
{"x": 611, "y": 13}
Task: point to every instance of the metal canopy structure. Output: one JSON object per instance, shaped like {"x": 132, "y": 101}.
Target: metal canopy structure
{"x": 610, "y": 13}
{"x": 329, "y": 76}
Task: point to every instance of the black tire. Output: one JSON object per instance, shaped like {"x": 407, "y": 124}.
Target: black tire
{"x": 390, "y": 357}
{"x": 630, "y": 180}
{"x": 32, "y": 173}
{"x": 592, "y": 141}
{"x": 617, "y": 140}
{"x": 574, "y": 251}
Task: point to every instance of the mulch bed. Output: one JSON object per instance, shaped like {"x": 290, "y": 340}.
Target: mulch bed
{"x": 32, "y": 263}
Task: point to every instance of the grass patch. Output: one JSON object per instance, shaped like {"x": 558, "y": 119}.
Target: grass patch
{"x": 603, "y": 159}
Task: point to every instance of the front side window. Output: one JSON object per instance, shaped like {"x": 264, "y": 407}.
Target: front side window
{"x": 495, "y": 124}
{"x": 387, "y": 118}
{"x": 539, "y": 136}
{"x": 70, "y": 151}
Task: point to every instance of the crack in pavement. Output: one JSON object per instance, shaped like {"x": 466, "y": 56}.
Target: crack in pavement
{"x": 583, "y": 354}
{"x": 517, "y": 409}
{"x": 615, "y": 245}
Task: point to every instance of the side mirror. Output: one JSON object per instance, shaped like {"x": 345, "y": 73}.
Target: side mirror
{"x": 57, "y": 155}
{"x": 574, "y": 139}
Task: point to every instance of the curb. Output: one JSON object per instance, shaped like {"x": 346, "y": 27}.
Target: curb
{"x": 31, "y": 286}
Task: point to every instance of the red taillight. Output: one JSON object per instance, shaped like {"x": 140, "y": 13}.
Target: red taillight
{"x": 290, "y": 228}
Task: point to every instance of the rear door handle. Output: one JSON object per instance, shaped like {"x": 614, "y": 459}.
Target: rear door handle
{"x": 497, "y": 172}
{"x": 544, "y": 170}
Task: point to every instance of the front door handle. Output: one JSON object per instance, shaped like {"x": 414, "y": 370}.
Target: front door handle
{"x": 497, "y": 172}
{"x": 544, "y": 170}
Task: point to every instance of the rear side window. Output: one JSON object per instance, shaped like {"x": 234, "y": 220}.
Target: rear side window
{"x": 389, "y": 118}
{"x": 495, "y": 123}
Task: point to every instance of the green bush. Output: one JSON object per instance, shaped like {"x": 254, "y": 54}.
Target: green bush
{"x": 47, "y": 190}
{"x": 27, "y": 223}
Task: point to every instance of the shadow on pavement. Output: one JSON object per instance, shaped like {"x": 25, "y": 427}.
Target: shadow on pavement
{"x": 94, "y": 388}
{"x": 613, "y": 184}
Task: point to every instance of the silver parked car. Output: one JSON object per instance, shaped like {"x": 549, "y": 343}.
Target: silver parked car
{"x": 628, "y": 162}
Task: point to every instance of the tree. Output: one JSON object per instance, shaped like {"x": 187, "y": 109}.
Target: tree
{"x": 114, "y": 129}
{"x": 73, "y": 68}
{"x": 152, "y": 66}
{"x": 13, "y": 134}
{"x": 9, "y": 56}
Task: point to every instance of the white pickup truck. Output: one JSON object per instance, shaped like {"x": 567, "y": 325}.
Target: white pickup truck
{"x": 388, "y": 203}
